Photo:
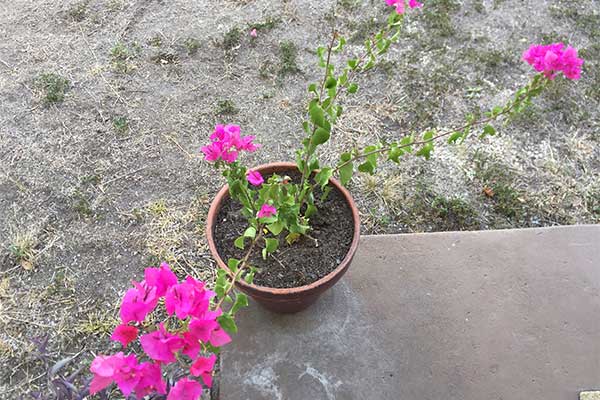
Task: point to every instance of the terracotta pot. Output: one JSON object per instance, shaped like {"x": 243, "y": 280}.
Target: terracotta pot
{"x": 293, "y": 299}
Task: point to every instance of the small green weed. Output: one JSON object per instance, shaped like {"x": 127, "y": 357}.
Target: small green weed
{"x": 191, "y": 45}
{"x": 225, "y": 107}
{"x": 53, "y": 86}
{"x": 287, "y": 58}
{"x": 121, "y": 56}
{"x": 232, "y": 39}
{"x": 121, "y": 124}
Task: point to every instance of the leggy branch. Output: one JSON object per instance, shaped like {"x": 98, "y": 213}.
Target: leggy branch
{"x": 241, "y": 267}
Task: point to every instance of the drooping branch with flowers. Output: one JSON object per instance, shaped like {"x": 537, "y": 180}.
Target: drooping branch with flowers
{"x": 196, "y": 321}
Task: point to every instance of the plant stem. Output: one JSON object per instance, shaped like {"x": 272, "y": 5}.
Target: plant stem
{"x": 241, "y": 267}
{"x": 441, "y": 135}
{"x": 305, "y": 170}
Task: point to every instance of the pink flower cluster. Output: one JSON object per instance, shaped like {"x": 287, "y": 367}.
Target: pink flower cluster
{"x": 401, "y": 4}
{"x": 189, "y": 301}
{"x": 554, "y": 58}
{"x": 226, "y": 143}
{"x": 266, "y": 211}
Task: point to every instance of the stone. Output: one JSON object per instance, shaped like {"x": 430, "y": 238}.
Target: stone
{"x": 589, "y": 395}
{"x": 511, "y": 314}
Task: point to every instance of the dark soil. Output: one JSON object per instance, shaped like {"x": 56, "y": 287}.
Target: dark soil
{"x": 301, "y": 263}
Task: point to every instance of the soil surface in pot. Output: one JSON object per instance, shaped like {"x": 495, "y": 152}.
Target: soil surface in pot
{"x": 303, "y": 262}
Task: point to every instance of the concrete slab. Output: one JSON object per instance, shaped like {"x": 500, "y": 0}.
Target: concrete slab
{"x": 475, "y": 315}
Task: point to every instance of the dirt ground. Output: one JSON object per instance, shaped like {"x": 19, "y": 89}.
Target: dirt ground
{"x": 105, "y": 104}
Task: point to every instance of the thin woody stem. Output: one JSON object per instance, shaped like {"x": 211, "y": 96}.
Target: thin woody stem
{"x": 241, "y": 267}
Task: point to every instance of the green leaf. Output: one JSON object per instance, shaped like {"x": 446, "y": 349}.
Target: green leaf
{"x": 353, "y": 88}
{"x": 454, "y": 137}
{"x": 317, "y": 115}
{"x": 233, "y": 263}
{"x": 488, "y": 130}
{"x": 367, "y": 167}
{"x": 292, "y": 237}
{"x": 250, "y": 232}
{"x": 249, "y": 277}
{"x": 395, "y": 153}
{"x": 405, "y": 142}
{"x": 276, "y": 227}
{"x": 239, "y": 243}
{"x": 346, "y": 173}
{"x": 425, "y": 151}
{"x": 321, "y": 136}
{"x": 340, "y": 45}
{"x": 323, "y": 176}
{"x": 313, "y": 88}
{"x": 331, "y": 82}
{"x": 353, "y": 63}
{"x": 271, "y": 245}
{"x": 241, "y": 300}
{"x": 227, "y": 323}
{"x": 310, "y": 210}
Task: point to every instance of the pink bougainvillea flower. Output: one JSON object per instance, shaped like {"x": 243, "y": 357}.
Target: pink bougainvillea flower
{"x": 571, "y": 64}
{"x": 117, "y": 368}
{"x": 124, "y": 334}
{"x": 245, "y": 143}
{"x": 189, "y": 298}
{"x": 255, "y": 178}
{"x": 229, "y": 156}
{"x": 151, "y": 380}
{"x": 161, "y": 278}
{"x": 202, "y": 329}
{"x": 266, "y": 210}
{"x": 401, "y": 5}
{"x": 553, "y": 58}
{"x": 104, "y": 368}
{"x": 185, "y": 389}
{"x": 203, "y": 367}
{"x": 191, "y": 345}
{"x": 161, "y": 345}
{"x": 138, "y": 302}
{"x": 253, "y": 33}
{"x": 226, "y": 144}
{"x": 213, "y": 151}
{"x": 219, "y": 337}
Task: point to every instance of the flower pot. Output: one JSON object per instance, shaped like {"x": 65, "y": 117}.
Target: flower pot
{"x": 288, "y": 300}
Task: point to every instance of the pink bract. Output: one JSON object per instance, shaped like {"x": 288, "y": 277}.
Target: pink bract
{"x": 401, "y": 5}
{"x": 226, "y": 144}
{"x": 188, "y": 298}
{"x": 151, "y": 380}
{"x": 185, "y": 389}
{"x": 255, "y": 178}
{"x": 124, "y": 334}
{"x": 161, "y": 278}
{"x": 117, "y": 368}
{"x": 161, "y": 345}
{"x": 203, "y": 367}
{"x": 138, "y": 302}
{"x": 553, "y": 58}
{"x": 266, "y": 211}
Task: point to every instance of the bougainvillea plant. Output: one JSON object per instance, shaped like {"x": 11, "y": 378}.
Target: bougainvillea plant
{"x": 183, "y": 335}
{"x": 277, "y": 204}
{"x": 169, "y": 324}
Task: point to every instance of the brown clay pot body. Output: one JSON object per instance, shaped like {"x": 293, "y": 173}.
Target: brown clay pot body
{"x": 292, "y": 299}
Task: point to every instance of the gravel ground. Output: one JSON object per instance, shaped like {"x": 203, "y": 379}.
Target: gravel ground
{"x": 105, "y": 104}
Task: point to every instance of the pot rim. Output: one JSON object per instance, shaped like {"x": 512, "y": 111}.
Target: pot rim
{"x": 224, "y": 192}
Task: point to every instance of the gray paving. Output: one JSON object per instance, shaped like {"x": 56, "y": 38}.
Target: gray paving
{"x": 475, "y": 315}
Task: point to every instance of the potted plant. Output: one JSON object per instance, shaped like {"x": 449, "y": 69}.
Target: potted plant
{"x": 282, "y": 233}
{"x": 286, "y": 232}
